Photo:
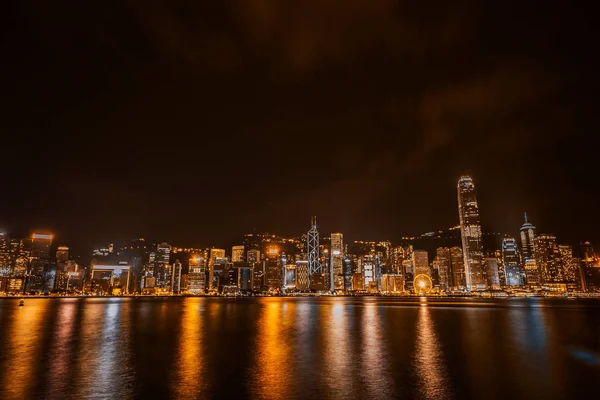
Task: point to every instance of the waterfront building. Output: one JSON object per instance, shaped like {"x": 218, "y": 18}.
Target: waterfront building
{"x": 196, "y": 278}
{"x": 470, "y": 227}
{"x": 253, "y": 256}
{"x": 237, "y": 253}
{"x": 511, "y": 261}
{"x": 313, "y": 250}
{"x": 337, "y": 261}
{"x": 527, "y": 240}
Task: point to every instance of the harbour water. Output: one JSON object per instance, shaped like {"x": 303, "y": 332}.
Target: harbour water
{"x": 299, "y": 348}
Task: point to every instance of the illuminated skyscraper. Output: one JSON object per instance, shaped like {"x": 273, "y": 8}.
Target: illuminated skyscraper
{"x": 313, "y": 250}
{"x": 237, "y": 253}
{"x": 457, "y": 266}
{"x": 470, "y": 229}
{"x": 175, "y": 277}
{"x": 196, "y": 279}
{"x": 547, "y": 259}
{"x": 337, "y": 262}
{"x": 527, "y": 240}
{"x": 421, "y": 263}
{"x": 443, "y": 263}
{"x": 510, "y": 260}
{"x": 253, "y": 256}
{"x": 215, "y": 257}
{"x": 62, "y": 254}
{"x": 163, "y": 257}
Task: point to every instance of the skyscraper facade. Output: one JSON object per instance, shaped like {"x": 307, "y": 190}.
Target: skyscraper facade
{"x": 527, "y": 240}
{"x": 313, "y": 250}
{"x": 510, "y": 260}
{"x": 470, "y": 228}
{"x": 337, "y": 261}
{"x": 237, "y": 253}
{"x": 547, "y": 259}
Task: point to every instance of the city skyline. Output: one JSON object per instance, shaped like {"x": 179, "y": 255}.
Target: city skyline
{"x": 462, "y": 260}
{"x": 517, "y": 232}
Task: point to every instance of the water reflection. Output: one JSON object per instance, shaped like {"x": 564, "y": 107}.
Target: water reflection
{"x": 375, "y": 367}
{"x": 60, "y": 354}
{"x": 429, "y": 359}
{"x": 338, "y": 354}
{"x": 24, "y": 349}
{"x": 274, "y": 372}
{"x": 189, "y": 371}
{"x": 104, "y": 365}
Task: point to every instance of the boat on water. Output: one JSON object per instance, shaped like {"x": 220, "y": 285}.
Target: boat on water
{"x": 21, "y": 303}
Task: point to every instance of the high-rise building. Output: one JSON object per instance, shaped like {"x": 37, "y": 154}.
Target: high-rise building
{"x": 470, "y": 228}
{"x": 493, "y": 277}
{"x": 196, "y": 278}
{"x": 457, "y": 266}
{"x": 527, "y": 240}
{"x": 314, "y": 251}
{"x": 237, "y": 253}
{"x": 215, "y": 261}
{"x": 510, "y": 260}
{"x": 337, "y": 261}
{"x": 253, "y": 256}
{"x": 62, "y": 254}
{"x": 301, "y": 274}
{"x": 443, "y": 264}
{"x": 569, "y": 264}
{"x": 547, "y": 259}
{"x": 421, "y": 263}
{"x": 175, "y": 277}
{"x": 368, "y": 270}
{"x": 40, "y": 245}
{"x": 163, "y": 258}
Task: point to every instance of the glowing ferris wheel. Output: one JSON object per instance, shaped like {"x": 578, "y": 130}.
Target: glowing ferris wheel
{"x": 422, "y": 283}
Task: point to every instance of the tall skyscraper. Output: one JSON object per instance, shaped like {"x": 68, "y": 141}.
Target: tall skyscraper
{"x": 337, "y": 262}
{"x": 442, "y": 258}
{"x": 175, "y": 278}
{"x": 457, "y": 266}
{"x": 163, "y": 257}
{"x": 421, "y": 263}
{"x": 237, "y": 253}
{"x": 196, "y": 279}
{"x": 547, "y": 258}
{"x": 62, "y": 254}
{"x": 527, "y": 240}
{"x": 470, "y": 229}
{"x": 510, "y": 260}
{"x": 216, "y": 259}
{"x": 313, "y": 250}
{"x": 253, "y": 256}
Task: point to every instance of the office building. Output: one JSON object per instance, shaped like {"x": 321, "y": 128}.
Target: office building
{"x": 470, "y": 228}
{"x": 511, "y": 261}
{"x": 253, "y": 256}
{"x": 527, "y": 240}
{"x": 62, "y": 254}
{"x": 196, "y": 278}
{"x": 237, "y": 253}
{"x": 337, "y": 262}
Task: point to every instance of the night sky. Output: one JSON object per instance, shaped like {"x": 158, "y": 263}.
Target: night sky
{"x": 197, "y": 121}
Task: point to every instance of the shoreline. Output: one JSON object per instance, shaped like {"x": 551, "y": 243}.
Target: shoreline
{"x": 595, "y": 296}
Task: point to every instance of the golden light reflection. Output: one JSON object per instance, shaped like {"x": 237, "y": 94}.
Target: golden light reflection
{"x": 429, "y": 359}
{"x": 376, "y": 368}
{"x": 190, "y": 366}
{"x": 59, "y": 354}
{"x": 273, "y": 350}
{"x": 25, "y": 337}
{"x": 338, "y": 355}
{"x": 93, "y": 335}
